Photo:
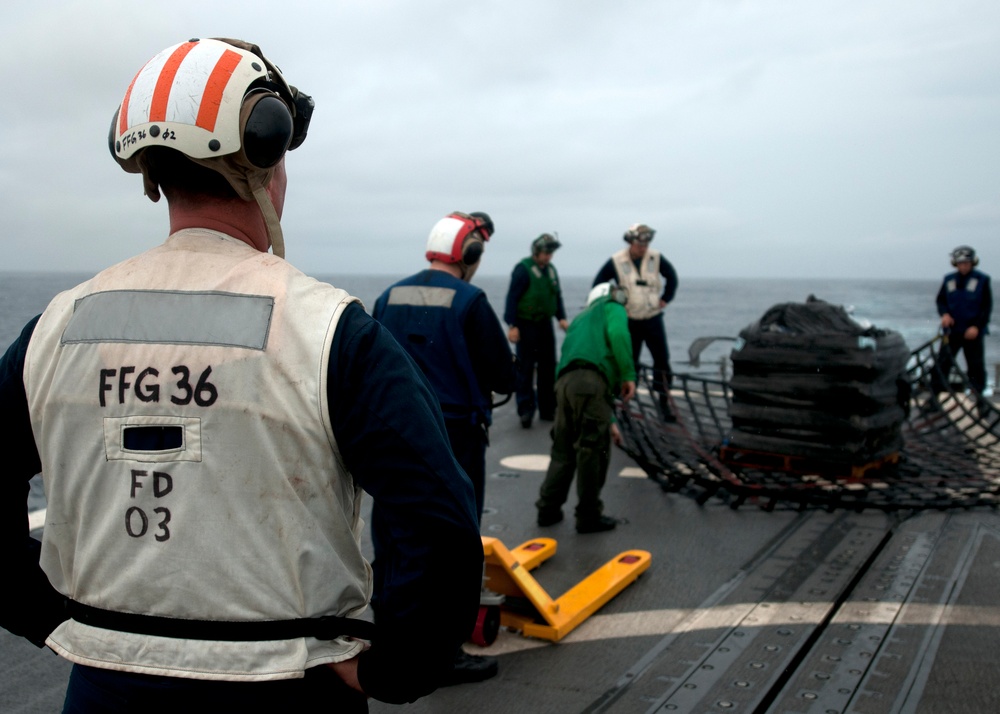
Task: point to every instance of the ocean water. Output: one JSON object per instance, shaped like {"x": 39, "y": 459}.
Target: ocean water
{"x": 702, "y": 307}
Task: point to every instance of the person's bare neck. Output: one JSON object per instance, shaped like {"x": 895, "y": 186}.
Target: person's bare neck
{"x": 234, "y": 217}
{"x": 450, "y": 268}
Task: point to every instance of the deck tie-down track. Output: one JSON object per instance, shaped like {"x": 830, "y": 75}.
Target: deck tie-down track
{"x": 950, "y": 457}
{"x": 842, "y": 613}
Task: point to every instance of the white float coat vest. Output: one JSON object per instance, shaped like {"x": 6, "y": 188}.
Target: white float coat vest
{"x": 245, "y": 512}
{"x": 643, "y": 299}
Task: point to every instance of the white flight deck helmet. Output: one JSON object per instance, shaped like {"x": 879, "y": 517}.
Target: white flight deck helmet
{"x": 459, "y": 239}
{"x": 223, "y": 105}
{"x": 618, "y": 294}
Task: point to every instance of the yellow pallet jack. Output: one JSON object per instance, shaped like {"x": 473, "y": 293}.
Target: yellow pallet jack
{"x": 526, "y": 607}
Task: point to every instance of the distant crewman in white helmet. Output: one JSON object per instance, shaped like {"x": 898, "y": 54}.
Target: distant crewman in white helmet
{"x": 965, "y": 303}
{"x": 651, "y": 282}
{"x": 205, "y": 418}
{"x": 448, "y": 327}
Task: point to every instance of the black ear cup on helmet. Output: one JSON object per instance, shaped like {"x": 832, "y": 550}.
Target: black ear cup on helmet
{"x": 472, "y": 251}
{"x": 478, "y": 229}
{"x": 267, "y": 130}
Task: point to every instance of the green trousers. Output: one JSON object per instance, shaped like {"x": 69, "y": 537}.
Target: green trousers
{"x": 581, "y": 444}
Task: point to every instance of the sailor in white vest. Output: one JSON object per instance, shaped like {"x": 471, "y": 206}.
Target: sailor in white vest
{"x": 651, "y": 282}
{"x": 205, "y": 418}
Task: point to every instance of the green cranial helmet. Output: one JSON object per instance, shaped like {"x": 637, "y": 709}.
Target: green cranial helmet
{"x": 545, "y": 243}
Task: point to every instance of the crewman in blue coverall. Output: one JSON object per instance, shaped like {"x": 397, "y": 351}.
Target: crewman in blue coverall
{"x": 449, "y": 328}
{"x": 965, "y": 304}
{"x": 533, "y": 299}
{"x": 205, "y": 417}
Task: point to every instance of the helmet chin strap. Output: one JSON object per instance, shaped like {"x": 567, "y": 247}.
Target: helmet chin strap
{"x": 271, "y": 221}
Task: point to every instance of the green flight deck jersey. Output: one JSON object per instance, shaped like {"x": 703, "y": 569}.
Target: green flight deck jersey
{"x": 541, "y": 300}
{"x": 599, "y": 335}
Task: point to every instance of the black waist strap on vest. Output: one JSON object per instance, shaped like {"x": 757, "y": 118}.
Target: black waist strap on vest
{"x": 322, "y": 628}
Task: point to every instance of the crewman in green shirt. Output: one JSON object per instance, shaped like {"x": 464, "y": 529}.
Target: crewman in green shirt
{"x": 596, "y": 363}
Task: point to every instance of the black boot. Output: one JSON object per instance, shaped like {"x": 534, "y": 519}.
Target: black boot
{"x": 470, "y": 668}
{"x": 549, "y": 516}
{"x": 598, "y": 525}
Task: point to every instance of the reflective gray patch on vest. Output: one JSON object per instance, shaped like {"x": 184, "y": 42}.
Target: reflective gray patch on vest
{"x": 421, "y": 296}
{"x": 171, "y": 317}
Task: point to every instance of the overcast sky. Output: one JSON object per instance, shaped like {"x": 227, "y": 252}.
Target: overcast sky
{"x": 846, "y": 138}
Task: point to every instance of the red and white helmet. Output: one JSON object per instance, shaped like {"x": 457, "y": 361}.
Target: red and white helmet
{"x": 220, "y": 103}
{"x": 459, "y": 238}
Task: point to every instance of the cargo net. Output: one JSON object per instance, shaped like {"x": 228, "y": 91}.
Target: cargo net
{"x": 949, "y": 455}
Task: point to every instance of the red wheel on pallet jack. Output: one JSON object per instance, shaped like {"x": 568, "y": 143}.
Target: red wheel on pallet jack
{"x": 487, "y": 625}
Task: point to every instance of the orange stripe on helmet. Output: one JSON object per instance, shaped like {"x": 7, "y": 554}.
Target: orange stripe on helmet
{"x": 211, "y": 100}
{"x": 161, "y": 94}
{"x": 123, "y": 111}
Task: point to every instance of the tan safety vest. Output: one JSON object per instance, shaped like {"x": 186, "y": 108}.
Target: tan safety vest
{"x": 178, "y": 401}
{"x": 645, "y": 286}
